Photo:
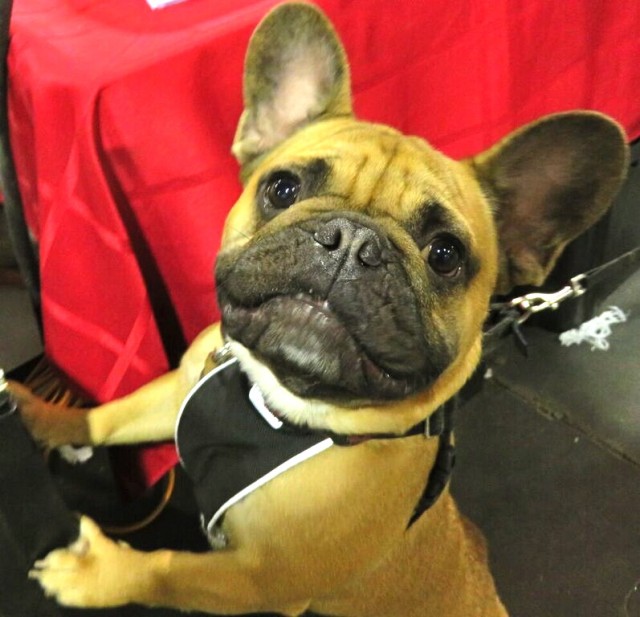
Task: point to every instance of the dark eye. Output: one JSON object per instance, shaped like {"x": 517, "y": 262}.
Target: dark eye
{"x": 282, "y": 190}
{"x": 445, "y": 256}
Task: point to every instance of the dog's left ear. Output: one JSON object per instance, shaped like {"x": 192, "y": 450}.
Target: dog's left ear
{"x": 549, "y": 182}
{"x": 295, "y": 72}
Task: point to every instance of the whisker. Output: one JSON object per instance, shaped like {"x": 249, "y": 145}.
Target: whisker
{"x": 241, "y": 233}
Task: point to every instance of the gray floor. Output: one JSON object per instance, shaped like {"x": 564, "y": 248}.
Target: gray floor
{"x": 548, "y": 465}
{"x": 549, "y": 469}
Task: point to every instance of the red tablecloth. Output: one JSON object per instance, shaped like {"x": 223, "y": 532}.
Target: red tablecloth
{"x": 122, "y": 118}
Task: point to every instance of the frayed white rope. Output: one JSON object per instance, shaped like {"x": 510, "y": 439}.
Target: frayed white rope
{"x": 596, "y": 331}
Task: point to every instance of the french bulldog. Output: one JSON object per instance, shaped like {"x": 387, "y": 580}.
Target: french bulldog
{"x": 354, "y": 278}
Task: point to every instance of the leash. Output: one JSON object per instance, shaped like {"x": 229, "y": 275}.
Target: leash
{"x": 507, "y": 317}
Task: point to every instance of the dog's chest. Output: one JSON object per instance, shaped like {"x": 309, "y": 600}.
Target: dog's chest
{"x": 231, "y": 446}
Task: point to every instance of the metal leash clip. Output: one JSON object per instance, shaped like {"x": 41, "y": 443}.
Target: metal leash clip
{"x": 531, "y": 303}
{"x": 513, "y": 313}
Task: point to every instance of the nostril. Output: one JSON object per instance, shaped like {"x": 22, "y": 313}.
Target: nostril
{"x": 370, "y": 254}
{"x": 328, "y": 236}
{"x": 365, "y": 245}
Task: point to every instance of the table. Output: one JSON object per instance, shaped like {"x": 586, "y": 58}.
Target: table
{"x": 122, "y": 118}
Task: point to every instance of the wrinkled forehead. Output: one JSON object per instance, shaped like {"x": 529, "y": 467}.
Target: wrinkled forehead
{"x": 370, "y": 158}
{"x": 381, "y": 171}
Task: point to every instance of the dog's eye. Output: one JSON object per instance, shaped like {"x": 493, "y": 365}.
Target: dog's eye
{"x": 282, "y": 190}
{"x": 445, "y": 256}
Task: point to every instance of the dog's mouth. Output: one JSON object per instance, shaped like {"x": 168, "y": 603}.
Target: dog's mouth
{"x": 313, "y": 354}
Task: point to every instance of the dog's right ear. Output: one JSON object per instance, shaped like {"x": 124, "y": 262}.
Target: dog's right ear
{"x": 548, "y": 182}
{"x": 295, "y": 72}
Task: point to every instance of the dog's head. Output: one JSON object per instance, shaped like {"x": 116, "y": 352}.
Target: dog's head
{"x": 357, "y": 266}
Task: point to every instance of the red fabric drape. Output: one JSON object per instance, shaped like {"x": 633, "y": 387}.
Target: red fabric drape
{"x": 122, "y": 118}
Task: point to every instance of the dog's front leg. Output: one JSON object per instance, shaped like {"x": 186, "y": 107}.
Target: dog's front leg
{"x": 96, "y": 571}
{"x": 147, "y": 414}
{"x": 290, "y": 542}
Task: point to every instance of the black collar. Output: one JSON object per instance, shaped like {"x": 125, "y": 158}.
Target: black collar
{"x": 439, "y": 423}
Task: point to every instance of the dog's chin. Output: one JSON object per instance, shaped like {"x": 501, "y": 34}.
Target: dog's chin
{"x": 312, "y": 354}
{"x": 303, "y": 411}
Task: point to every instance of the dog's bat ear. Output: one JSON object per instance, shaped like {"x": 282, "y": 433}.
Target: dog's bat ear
{"x": 295, "y": 72}
{"x": 549, "y": 181}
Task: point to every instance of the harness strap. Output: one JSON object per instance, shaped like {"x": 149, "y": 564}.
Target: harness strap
{"x": 438, "y": 424}
{"x": 445, "y": 461}
{"x": 433, "y": 426}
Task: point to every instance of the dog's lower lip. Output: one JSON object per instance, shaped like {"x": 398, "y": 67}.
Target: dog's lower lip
{"x": 310, "y": 350}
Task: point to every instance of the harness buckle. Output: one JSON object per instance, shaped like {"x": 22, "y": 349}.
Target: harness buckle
{"x": 222, "y": 354}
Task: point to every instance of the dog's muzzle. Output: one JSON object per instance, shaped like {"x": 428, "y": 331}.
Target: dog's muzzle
{"x": 328, "y": 306}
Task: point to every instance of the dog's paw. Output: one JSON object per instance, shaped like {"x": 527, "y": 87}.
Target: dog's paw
{"x": 49, "y": 424}
{"x": 94, "y": 571}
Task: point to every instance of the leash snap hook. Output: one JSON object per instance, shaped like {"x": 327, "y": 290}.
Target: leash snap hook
{"x": 534, "y": 302}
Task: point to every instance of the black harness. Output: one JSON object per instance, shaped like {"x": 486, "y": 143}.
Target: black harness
{"x": 230, "y": 444}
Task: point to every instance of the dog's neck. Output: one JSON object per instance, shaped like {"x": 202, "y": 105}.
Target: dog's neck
{"x": 321, "y": 415}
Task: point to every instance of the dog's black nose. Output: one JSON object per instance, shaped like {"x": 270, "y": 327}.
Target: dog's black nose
{"x": 361, "y": 242}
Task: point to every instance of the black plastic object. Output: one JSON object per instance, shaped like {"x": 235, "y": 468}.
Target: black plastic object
{"x": 33, "y": 517}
